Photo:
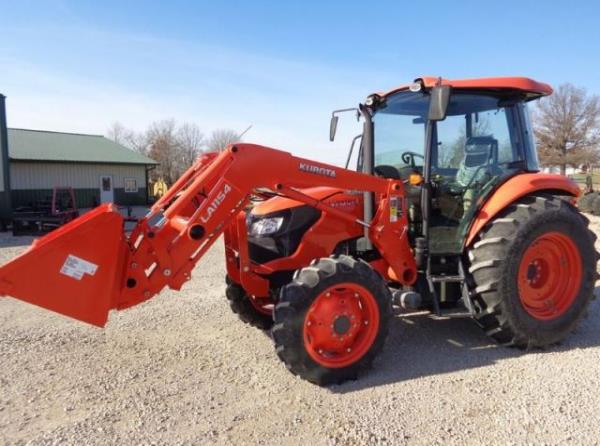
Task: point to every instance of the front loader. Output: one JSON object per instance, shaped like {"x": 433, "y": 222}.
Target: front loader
{"x": 461, "y": 223}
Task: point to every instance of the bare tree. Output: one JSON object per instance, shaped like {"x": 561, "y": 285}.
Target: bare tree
{"x": 126, "y": 137}
{"x": 117, "y": 132}
{"x": 567, "y": 128}
{"x": 175, "y": 147}
{"x": 138, "y": 141}
{"x": 221, "y": 138}
{"x": 163, "y": 147}
{"x": 191, "y": 140}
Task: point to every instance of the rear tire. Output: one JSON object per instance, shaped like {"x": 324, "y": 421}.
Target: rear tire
{"x": 533, "y": 270}
{"x": 332, "y": 320}
{"x": 248, "y": 312}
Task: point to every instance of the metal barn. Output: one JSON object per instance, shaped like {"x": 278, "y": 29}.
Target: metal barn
{"x": 33, "y": 162}
{"x": 99, "y": 169}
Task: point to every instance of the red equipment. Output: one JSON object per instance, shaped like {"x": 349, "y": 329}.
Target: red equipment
{"x": 166, "y": 244}
{"x": 328, "y": 251}
{"x": 45, "y": 216}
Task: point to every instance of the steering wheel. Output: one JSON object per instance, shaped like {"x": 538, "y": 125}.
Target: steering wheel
{"x": 408, "y": 157}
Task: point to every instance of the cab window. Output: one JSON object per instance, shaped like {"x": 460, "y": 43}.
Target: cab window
{"x": 399, "y": 129}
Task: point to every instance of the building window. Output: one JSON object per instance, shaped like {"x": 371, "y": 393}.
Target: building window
{"x": 130, "y": 185}
{"x": 106, "y": 184}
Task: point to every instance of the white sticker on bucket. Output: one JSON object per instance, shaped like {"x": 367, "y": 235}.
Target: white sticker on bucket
{"x": 76, "y": 267}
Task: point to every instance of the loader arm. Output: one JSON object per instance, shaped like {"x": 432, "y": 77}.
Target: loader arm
{"x": 90, "y": 266}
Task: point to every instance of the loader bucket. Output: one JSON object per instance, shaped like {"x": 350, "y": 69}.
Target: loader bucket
{"x": 76, "y": 270}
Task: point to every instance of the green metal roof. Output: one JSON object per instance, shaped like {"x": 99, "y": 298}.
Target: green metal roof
{"x": 41, "y": 145}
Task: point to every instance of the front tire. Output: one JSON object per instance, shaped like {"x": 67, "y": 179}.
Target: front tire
{"x": 332, "y": 320}
{"x": 533, "y": 270}
{"x": 249, "y": 310}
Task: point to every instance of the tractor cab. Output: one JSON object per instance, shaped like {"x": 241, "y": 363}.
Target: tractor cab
{"x": 481, "y": 139}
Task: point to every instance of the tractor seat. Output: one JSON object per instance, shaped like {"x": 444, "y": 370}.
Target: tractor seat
{"x": 476, "y": 146}
{"x": 481, "y": 157}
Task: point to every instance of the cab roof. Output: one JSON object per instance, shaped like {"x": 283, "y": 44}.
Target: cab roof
{"x": 532, "y": 88}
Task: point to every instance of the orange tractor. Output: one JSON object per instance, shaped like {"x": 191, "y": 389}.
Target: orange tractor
{"x": 445, "y": 212}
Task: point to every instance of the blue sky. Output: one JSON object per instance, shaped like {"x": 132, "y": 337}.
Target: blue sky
{"x": 280, "y": 66}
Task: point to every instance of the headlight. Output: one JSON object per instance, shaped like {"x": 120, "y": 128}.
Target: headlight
{"x": 266, "y": 226}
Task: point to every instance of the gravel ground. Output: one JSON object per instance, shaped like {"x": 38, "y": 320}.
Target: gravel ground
{"x": 181, "y": 369}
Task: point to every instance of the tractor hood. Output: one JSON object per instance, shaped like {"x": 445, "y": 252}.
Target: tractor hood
{"x": 280, "y": 203}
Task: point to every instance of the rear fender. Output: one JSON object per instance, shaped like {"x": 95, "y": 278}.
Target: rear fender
{"x": 515, "y": 188}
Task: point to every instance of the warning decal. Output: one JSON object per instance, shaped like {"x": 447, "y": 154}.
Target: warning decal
{"x": 393, "y": 209}
{"x": 76, "y": 267}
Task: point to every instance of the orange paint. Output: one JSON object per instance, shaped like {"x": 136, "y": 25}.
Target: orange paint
{"x": 515, "y": 188}
{"x": 166, "y": 244}
{"x": 550, "y": 275}
{"x": 491, "y": 83}
{"x": 280, "y": 203}
{"x": 75, "y": 270}
{"x": 347, "y": 302}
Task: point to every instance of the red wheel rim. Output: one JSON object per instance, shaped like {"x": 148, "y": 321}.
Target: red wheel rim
{"x": 550, "y": 275}
{"x": 341, "y": 325}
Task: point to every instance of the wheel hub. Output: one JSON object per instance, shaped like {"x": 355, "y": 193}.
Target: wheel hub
{"x": 537, "y": 273}
{"x": 341, "y": 325}
{"x": 550, "y": 276}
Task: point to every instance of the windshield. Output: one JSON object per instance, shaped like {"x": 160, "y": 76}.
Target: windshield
{"x": 475, "y": 123}
{"x": 400, "y": 129}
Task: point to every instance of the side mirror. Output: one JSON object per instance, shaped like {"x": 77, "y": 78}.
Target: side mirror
{"x": 438, "y": 105}
{"x": 333, "y": 127}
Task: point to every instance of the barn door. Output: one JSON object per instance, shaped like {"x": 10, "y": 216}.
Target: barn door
{"x": 107, "y": 194}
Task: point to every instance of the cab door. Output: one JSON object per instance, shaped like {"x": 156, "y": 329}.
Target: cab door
{"x": 475, "y": 148}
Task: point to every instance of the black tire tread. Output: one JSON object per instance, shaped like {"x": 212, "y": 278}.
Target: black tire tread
{"x": 490, "y": 256}
{"x": 296, "y": 297}
{"x": 240, "y": 304}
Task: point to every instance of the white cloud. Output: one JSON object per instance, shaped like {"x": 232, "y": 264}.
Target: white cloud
{"x": 101, "y": 77}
